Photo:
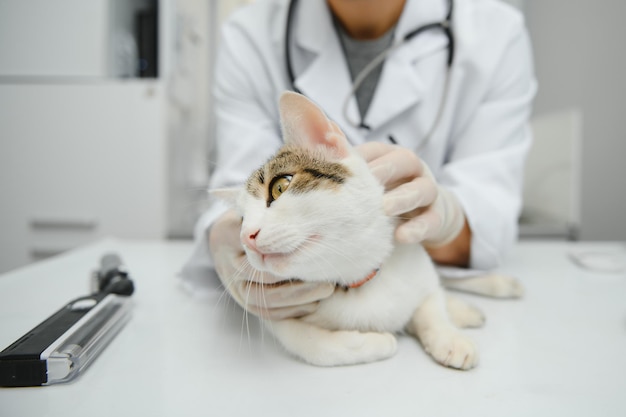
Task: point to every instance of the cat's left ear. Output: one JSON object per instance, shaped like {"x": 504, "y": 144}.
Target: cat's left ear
{"x": 305, "y": 124}
{"x": 228, "y": 195}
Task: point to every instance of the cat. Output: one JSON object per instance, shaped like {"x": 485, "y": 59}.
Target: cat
{"x": 314, "y": 211}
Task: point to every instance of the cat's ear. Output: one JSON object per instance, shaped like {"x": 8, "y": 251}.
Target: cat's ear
{"x": 305, "y": 124}
{"x": 228, "y": 195}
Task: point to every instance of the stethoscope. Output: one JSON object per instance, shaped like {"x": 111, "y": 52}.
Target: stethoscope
{"x": 445, "y": 26}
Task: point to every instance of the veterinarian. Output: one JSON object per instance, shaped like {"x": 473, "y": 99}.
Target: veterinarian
{"x": 442, "y": 120}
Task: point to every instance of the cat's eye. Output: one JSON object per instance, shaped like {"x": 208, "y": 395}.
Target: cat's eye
{"x": 279, "y": 186}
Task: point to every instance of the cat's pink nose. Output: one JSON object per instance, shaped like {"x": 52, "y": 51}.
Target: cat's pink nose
{"x": 249, "y": 238}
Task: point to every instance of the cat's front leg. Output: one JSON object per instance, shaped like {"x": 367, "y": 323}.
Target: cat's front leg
{"x": 323, "y": 347}
{"x": 443, "y": 341}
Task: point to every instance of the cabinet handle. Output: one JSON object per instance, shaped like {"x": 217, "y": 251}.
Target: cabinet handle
{"x": 43, "y": 253}
{"x": 39, "y": 223}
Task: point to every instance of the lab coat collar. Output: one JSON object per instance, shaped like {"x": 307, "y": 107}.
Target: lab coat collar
{"x": 323, "y": 75}
{"x": 328, "y": 83}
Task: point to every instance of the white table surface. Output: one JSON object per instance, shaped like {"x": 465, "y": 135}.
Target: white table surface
{"x": 559, "y": 351}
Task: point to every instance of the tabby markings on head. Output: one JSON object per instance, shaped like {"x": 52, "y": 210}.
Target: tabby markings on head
{"x": 306, "y": 170}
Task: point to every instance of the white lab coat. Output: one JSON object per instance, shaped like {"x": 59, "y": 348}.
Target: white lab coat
{"x": 479, "y": 147}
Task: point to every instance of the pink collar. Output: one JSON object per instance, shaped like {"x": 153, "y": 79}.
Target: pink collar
{"x": 364, "y": 280}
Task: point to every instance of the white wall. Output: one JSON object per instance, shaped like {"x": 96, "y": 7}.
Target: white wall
{"x": 39, "y": 38}
{"x": 82, "y": 154}
{"x": 580, "y": 61}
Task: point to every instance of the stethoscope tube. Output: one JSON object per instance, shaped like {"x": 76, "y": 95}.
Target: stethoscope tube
{"x": 288, "y": 29}
{"x": 445, "y": 25}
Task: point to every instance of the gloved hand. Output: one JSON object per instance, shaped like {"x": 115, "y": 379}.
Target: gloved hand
{"x": 260, "y": 293}
{"x": 430, "y": 214}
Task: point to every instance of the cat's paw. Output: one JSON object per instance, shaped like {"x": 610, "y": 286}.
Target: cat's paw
{"x": 352, "y": 347}
{"x": 464, "y": 315}
{"x": 504, "y": 286}
{"x": 452, "y": 349}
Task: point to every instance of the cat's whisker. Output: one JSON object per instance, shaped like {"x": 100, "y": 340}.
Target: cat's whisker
{"x": 245, "y": 275}
{"x": 246, "y": 316}
{"x": 234, "y": 279}
{"x": 262, "y": 302}
{"x": 255, "y": 277}
{"x": 226, "y": 294}
{"x": 266, "y": 309}
{"x": 263, "y": 307}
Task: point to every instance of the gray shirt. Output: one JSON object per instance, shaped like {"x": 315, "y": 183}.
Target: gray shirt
{"x": 358, "y": 54}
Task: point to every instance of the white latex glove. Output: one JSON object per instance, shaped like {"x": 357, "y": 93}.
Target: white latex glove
{"x": 260, "y": 293}
{"x": 429, "y": 213}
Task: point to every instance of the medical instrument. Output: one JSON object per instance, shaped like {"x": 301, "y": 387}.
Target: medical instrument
{"x": 445, "y": 26}
{"x": 598, "y": 260}
{"x": 64, "y": 344}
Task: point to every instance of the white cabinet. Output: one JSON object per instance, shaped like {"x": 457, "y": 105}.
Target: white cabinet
{"x": 78, "y": 162}
{"x": 85, "y": 153}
